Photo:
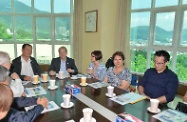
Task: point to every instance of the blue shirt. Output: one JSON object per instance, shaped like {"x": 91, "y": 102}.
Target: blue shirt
{"x": 63, "y": 66}
{"x": 160, "y": 84}
{"x": 100, "y": 71}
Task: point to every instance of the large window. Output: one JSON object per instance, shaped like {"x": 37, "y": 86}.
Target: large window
{"x": 45, "y": 24}
{"x": 156, "y": 25}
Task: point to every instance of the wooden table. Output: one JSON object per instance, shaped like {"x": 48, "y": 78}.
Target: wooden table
{"x": 98, "y": 95}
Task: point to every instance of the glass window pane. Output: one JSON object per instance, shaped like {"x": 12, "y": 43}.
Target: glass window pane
{"x": 181, "y": 66}
{"x": 9, "y": 48}
{"x": 43, "y": 31}
{"x": 19, "y": 49}
{"x": 139, "y": 31}
{"x": 162, "y": 3}
{"x": 5, "y": 6}
{"x": 43, "y": 56}
{"x": 61, "y": 6}
{"x": 184, "y": 1}
{"x": 184, "y": 31}
{"x": 138, "y": 4}
{"x": 138, "y": 60}
{"x": 23, "y": 27}
{"x": 62, "y": 28}
{"x": 22, "y": 6}
{"x": 164, "y": 28}
{"x": 6, "y": 32}
{"x": 42, "y": 6}
{"x": 58, "y": 46}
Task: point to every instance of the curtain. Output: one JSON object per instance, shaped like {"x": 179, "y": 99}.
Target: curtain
{"x": 122, "y": 37}
{"x": 77, "y": 33}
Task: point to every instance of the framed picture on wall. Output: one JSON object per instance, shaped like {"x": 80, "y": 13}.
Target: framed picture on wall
{"x": 91, "y": 21}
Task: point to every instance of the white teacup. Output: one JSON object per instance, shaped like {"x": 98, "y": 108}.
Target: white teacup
{"x": 90, "y": 70}
{"x": 110, "y": 90}
{"x": 52, "y": 83}
{"x": 87, "y": 114}
{"x": 66, "y": 99}
{"x": 61, "y": 74}
{"x": 154, "y": 105}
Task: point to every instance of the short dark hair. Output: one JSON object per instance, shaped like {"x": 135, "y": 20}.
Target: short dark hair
{"x": 6, "y": 97}
{"x": 24, "y": 45}
{"x": 118, "y": 53}
{"x": 98, "y": 54}
{"x": 62, "y": 47}
{"x": 163, "y": 53}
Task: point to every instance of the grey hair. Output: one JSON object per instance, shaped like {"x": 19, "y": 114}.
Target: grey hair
{"x": 4, "y": 57}
{"x": 4, "y": 73}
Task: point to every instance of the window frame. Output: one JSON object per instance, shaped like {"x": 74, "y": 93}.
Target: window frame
{"x": 178, "y": 26}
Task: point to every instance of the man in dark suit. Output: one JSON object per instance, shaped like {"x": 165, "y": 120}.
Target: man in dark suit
{"x": 25, "y": 65}
{"x": 62, "y": 63}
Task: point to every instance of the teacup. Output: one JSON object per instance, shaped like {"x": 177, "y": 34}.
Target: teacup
{"x": 35, "y": 78}
{"x": 45, "y": 77}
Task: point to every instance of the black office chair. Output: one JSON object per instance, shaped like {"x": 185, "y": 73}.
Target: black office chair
{"x": 109, "y": 63}
{"x": 181, "y": 107}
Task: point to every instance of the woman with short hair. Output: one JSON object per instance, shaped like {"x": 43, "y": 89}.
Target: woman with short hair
{"x": 118, "y": 75}
{"x": 96, "y": 69}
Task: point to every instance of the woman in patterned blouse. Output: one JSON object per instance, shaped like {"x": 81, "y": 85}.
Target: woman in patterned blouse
{"x": 118, "y": 75}
{"x": 96, "y": 69}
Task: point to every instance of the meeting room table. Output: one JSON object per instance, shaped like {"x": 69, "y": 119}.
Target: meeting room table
{"x": 138, "y": 109}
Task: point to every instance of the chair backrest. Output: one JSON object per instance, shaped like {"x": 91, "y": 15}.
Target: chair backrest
{"x": 109, "y": 63}
{"x": 134, "y": 83}
{"x": 134, "y": 80}
{"x": 181, "y": 107}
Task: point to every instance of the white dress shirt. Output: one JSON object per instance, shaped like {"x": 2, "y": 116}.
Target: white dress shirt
{"x": 26, "y": 67}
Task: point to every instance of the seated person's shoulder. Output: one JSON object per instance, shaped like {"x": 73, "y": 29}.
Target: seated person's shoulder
{"x": 17, "y": 59}
{"x": 70, "y": 59}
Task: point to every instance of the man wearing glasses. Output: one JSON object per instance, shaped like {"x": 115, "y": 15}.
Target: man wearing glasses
{"x": 160, "y": 82}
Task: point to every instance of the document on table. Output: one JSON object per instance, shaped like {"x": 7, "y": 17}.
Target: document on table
{"x": 97, "y": 85}
{"x": 130, "y": 97}
{"x": 51, "y": 107}
{"x": 171, "y": 115}
{"x": 35, "y": 91}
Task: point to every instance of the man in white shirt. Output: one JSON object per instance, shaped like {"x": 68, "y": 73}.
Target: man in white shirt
{"x": 25, "y": 65}
{"x": 16, "y": 84}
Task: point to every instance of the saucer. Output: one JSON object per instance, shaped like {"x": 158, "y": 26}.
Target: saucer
{"x": 84, "y": 84}
{"x": 110, "y": 95}
{"x": 52, "y": 88}
{"x": 155, "y": 112}
{"x": 35, "y": 83}
{"x": 61, "y": 78}
{"x": 44, "y": 81}
{"x": 74, "y": 78}
{"x": 71, "y": 104}
{"x": 93, "y": 120}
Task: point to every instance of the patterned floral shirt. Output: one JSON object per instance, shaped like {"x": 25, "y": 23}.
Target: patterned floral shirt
{"x": 116, "y": 79}
{"x": 100, "y": 71}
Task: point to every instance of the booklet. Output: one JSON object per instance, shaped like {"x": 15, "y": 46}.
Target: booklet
{"x": 171, "y": 115}
{"x": 130, "y": 97}
{"x": 97, "y": 85}
{"x": 35, "y": 91}
{"x": 126, "y": 117}
{"x": 51, "y": 107}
